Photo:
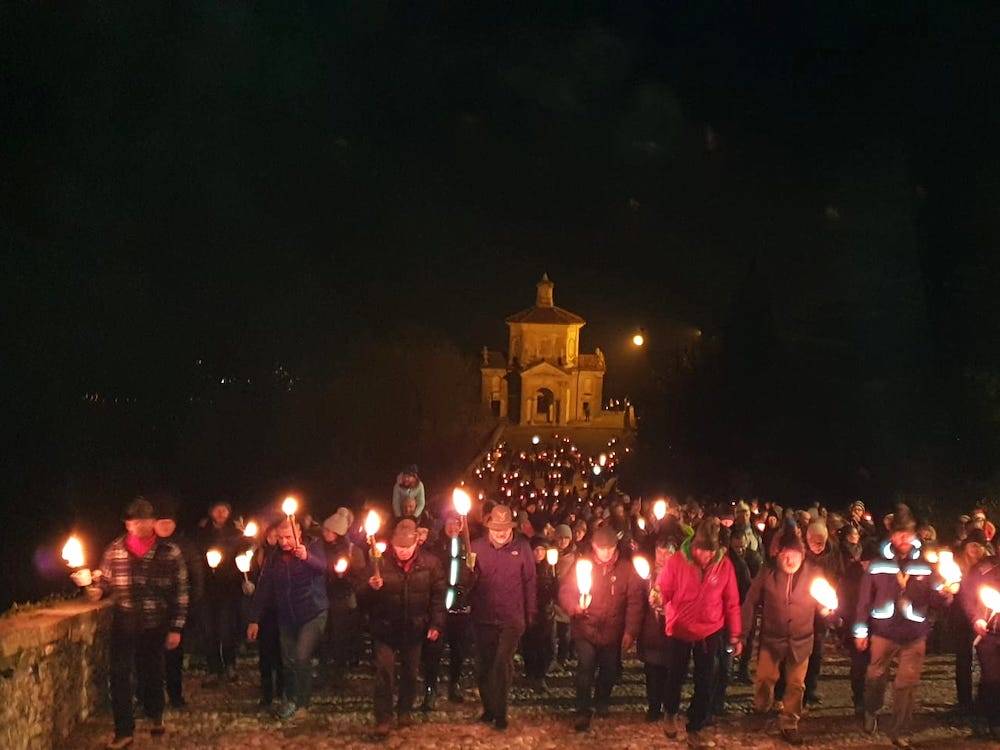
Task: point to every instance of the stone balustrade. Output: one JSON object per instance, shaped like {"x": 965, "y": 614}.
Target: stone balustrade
{"x": 53, "y": 672}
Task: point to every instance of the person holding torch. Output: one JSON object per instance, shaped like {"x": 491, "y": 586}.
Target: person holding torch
{"x": 980, "y": 598}
{"x": 606, "y": 620}
{"x": 146, "y": 579}
{"x": 345, "y": 564}
{"x": 293, "y": 582}
{"x": 786, "y": 595}
{"x": 405, "y": 599}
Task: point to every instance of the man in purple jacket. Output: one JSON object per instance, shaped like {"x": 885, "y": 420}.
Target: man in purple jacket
{"x": 503, "y": 605}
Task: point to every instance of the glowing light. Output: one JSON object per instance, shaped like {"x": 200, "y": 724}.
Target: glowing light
{"x": 641, "y": 523}
{"x": 596, "y": 470}
{"x": 72, "y": 553}
{"x": 603, "y": 459}
{"x": 372, "y": 523}
{"x": 250, "y": 530}
{"x": 289, "y": 506}
{"x": 660, "y": 509}
{"x": 243, "y": 561}
{"x": 641, "y": 565}
{"x": 932, "y": 556}
{"x": 948, "y": 569}
{"x": 449, "y": 599}
{"x": 214, "y": 557}
{"x": 821, "y": 590}
{"x": 340, "y": 567}
{"x": 990, "y": 598}
{"x": 638, "y": 339}
{"x": 461, "y": 500}
{"x": 552, "y": 556}
{"x": 584, "y": 580}
{"x": 380, "y": 546}
{"x": 761, "y": 526}
{"x": 535, "y": 440}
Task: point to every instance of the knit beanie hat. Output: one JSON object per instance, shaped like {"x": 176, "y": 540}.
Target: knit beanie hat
{"x": 903, "y": 520}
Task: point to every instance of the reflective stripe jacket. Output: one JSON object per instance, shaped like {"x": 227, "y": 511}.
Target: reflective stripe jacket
{"x": 897, "y": 595}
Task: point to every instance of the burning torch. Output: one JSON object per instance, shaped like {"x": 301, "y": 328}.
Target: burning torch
{"x": 584, "y": 579}
{"x": 463, "y": 504}
{"x": 372, "y": 524}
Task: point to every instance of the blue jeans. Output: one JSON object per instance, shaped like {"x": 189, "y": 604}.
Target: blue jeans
{"x": 298, "y": 644}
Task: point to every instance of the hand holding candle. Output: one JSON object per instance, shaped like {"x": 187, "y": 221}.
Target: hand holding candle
{"x": 213, "y": 557}
{"x": 243, "y": 565}
{"x": 72, "y": 553}
{"x": 949, "y": 571}
{"x": 990, "y": 598}
{"x": 250, "y": 530}
{"x": 584, "y": 580}
{"x": 552, "y": 557}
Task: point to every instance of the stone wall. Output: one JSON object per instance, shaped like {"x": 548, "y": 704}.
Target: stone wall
{"x": 53, "y": 672}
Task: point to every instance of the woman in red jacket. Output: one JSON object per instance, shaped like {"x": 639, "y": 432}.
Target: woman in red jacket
{"x": 700, "y": 603}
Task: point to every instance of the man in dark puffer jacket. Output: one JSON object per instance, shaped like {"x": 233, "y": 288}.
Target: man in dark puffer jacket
{"x": 609, "y": 625}
{"x": 406, "y": 606}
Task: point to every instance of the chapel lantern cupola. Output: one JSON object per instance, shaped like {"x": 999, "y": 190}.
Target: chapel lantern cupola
{"x": 543, "y": 297}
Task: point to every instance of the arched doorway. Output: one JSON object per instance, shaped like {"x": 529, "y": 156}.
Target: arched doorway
{"x": 545, "y": 403}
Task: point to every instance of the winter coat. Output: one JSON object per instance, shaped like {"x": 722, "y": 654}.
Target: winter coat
{"x": 411, "y": 599}
{"x": 504, "y": 590}
{"x": 788, "y": 610}
{"x": 567, "y": 559}
{"x": 653, "y": 646}
{"x": 743, "y": 575}
{"x": 617, "y": 595}
{"x": 888, "y": 609}
{"x": 295, "y": 588}
{"x": 699, "y": 602}
{"x": 399, "y": 493}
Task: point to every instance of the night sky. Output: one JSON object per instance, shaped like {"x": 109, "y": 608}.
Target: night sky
{"x": 279, "y": 192}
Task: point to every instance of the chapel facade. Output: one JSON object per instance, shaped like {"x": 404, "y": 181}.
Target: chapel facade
{"x": 543, "y": 379}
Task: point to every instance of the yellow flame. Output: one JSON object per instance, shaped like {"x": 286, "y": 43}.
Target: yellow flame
{"x": 990, "y": 598}
{"x": 552, "y": 555}
{"x": 641, "y": 565}
{"x": 214, "y": 557}
{"x": 660, "y": 509}
{"x": 72, "y": 553}
{"x": 821, "y": 590}
{"x": 341, "y": 565}
{"x": 243, "y": 561}
{"x": 289, "y": 506}
{"x": 372, "y": 523}
{"x": 584, "y": 575}
{"x": 948, "y": 569}
{"x": 463, "y": 503}
{"x": 250, "y": 530}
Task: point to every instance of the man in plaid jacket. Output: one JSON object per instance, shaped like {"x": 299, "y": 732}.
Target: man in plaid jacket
{"x": 146, "y": 578}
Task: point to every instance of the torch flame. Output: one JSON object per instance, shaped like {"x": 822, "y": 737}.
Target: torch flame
{"x": 641, "y": 565}
{"x": 72, "y": 553}
{"x": 602, "y": 459}
{"x": 660, "y": 509}
{"x": 990, "y": 598}
{"x": 948, "y": 569}
{"x": 372, "y": 523}
{"x": 289, "y": 506}
{"x": 340, "y": 566}
{"x": 380, "y": 546}
{"x": 214, "y": 557}
{"x": 551, "y": 555}
{"x": 250, "y": 530}
{"x": 641, "y": 523}
{"x": 761, "y": 526}
{"x": 242, "y": 561}
{"x": 821, "y": 590}
{"x": 461, "y": 500}
{"x": 584, "y": 575}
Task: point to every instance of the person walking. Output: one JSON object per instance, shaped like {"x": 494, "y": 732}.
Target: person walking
{"x": 220, "y": 614}
{"x": 701, "y": 601}
{"x": 893, "y": 620}
{"x": 294, "y": 583}
{"x": 654, "y": 646}
{"x": 606, "y": 627}
{"x": 344, "y": 562}
{"x": 166, "y": 528}
{"x": 503, "y": 605}
{"x": 782, "y": 594}
{"x": 537, "y": 643}
{"x": 406, "y": 606}
{"x": 146, "y": 579}
{"x": 986, "y": 626}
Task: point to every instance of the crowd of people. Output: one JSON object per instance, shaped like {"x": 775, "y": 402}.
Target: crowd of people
{"x": 555, "y": 563}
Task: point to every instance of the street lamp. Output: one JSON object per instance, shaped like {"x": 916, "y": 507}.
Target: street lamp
{"x": 638, "y": 339}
